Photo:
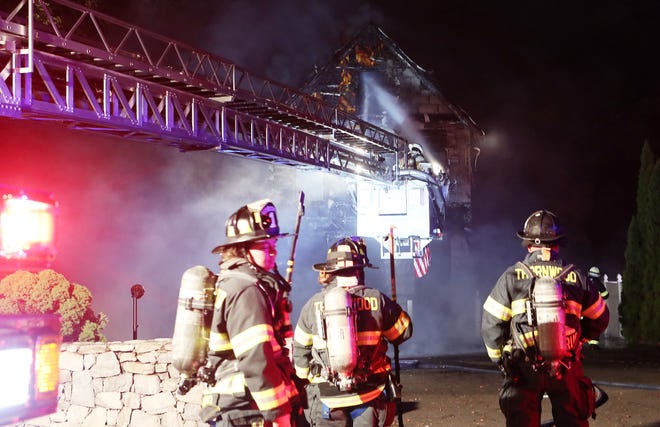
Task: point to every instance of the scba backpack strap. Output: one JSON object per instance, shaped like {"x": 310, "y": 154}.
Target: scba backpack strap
{"x": 226, "y": 274}
{"x": 214, "y": 368}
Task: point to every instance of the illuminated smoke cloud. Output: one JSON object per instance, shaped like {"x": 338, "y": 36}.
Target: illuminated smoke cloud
{"x": 142, "y": 213}
{"x": 135, "y": 213}
{"x": 377, "y": 97}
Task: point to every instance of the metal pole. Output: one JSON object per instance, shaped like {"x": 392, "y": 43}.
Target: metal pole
{"x": 30, "y": 49}
{"x": 397, "y": 366}
{"x": 301, "y": 213}
{"x": 137, "y": 291}
{"x": 135, "y": 324}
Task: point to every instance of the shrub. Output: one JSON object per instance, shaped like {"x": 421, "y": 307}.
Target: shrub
{"x": 49, "y": 292}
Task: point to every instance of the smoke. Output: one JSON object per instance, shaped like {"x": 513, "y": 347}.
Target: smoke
{"x": 138, "y": 213}
{"x": 396, "y": 117}
{"x": 281, "y": 41}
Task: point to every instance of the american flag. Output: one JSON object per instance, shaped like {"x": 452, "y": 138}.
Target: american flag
{"x": 422, "y": 262}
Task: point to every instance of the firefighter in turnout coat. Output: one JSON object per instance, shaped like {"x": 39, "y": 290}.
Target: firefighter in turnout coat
{"x": 249, "y": 374}
{"x": 596, "y": 283}
{"x": 515, "y": 336}
{"x": 342, "y": 351}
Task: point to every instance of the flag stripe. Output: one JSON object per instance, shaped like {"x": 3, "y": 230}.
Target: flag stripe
{"x": 422, "y": 263}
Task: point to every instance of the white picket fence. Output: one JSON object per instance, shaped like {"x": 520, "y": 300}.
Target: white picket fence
{"x": 614, "y": 287}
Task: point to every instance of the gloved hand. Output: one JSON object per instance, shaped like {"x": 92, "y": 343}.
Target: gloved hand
{"x": 509, "y": 366}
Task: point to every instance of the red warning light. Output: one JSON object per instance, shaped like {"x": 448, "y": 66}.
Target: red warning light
{"x": 27, "y": 226}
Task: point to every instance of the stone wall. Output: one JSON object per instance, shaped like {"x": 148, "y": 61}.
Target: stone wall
{"x": 130, "y": 383}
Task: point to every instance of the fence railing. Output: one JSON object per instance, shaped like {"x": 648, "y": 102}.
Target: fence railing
{"x": 614, "y": 287}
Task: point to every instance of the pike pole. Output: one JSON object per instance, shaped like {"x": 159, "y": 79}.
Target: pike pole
{"x": 397, "y": 366}
{"x": 289, "y": 273}
{"x": 298, "y": 413}
{"x": 301, "y": 213}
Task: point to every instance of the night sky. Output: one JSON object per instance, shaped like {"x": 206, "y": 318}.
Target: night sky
{"x": 566, "y": 93}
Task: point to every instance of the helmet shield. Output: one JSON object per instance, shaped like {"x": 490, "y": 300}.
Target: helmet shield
{"x": 345, "y": 255}
{"x": 541, "y": 227}
{"x": 250, "y": 223}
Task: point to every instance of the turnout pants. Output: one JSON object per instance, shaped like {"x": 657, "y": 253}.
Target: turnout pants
{"x": 572, "y": 397}
{"x": 377, "y": 413}
{"x": 238, "y": 419}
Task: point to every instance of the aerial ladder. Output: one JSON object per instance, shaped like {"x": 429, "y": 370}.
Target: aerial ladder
{"x": 63, "y": 62}
{"x": 95, "y": 72}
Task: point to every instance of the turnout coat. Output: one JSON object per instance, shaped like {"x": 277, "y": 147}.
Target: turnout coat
{"x": 379, "y": 321}
{"x": 504, "y": 319}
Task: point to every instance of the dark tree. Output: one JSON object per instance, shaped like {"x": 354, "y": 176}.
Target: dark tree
{"x": 640, "y": 308}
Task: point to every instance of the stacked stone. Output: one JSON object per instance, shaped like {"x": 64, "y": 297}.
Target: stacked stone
{"x": 124, "y": 384}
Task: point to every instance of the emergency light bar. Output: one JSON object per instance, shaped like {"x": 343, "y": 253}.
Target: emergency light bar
{"x": 29, "y": 366}
{"x": 27, "y": 226}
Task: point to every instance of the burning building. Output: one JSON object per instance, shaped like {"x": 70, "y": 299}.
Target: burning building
{"x": 374, "y": 79}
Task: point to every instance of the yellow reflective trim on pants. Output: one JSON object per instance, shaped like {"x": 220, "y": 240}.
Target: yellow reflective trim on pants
{"x": 352, "y": 400}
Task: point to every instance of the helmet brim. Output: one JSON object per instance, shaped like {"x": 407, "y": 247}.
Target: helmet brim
{"x": 526, "y": 241}
{"x": 246, "y": 239}
{"x": 332, "y": 268}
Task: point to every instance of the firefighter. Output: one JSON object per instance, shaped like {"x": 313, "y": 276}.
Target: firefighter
{"x": 513, "y": 331}
{"x": 415, "y": 158}
{"x": 249, "y": 374}
{"x": 596, "y": 283}
{"x": 342, "y": 351}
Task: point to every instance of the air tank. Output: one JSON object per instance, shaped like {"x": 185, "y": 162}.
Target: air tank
{"x": 193, "y": 320}
{"x": 341, "y": 335}
{"x": 550, "y": 318}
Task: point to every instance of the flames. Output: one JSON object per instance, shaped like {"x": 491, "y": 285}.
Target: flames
{"x": 359, "y": 57}
{"x": 346, "y": 80}
{"x": 365, "y": 56}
